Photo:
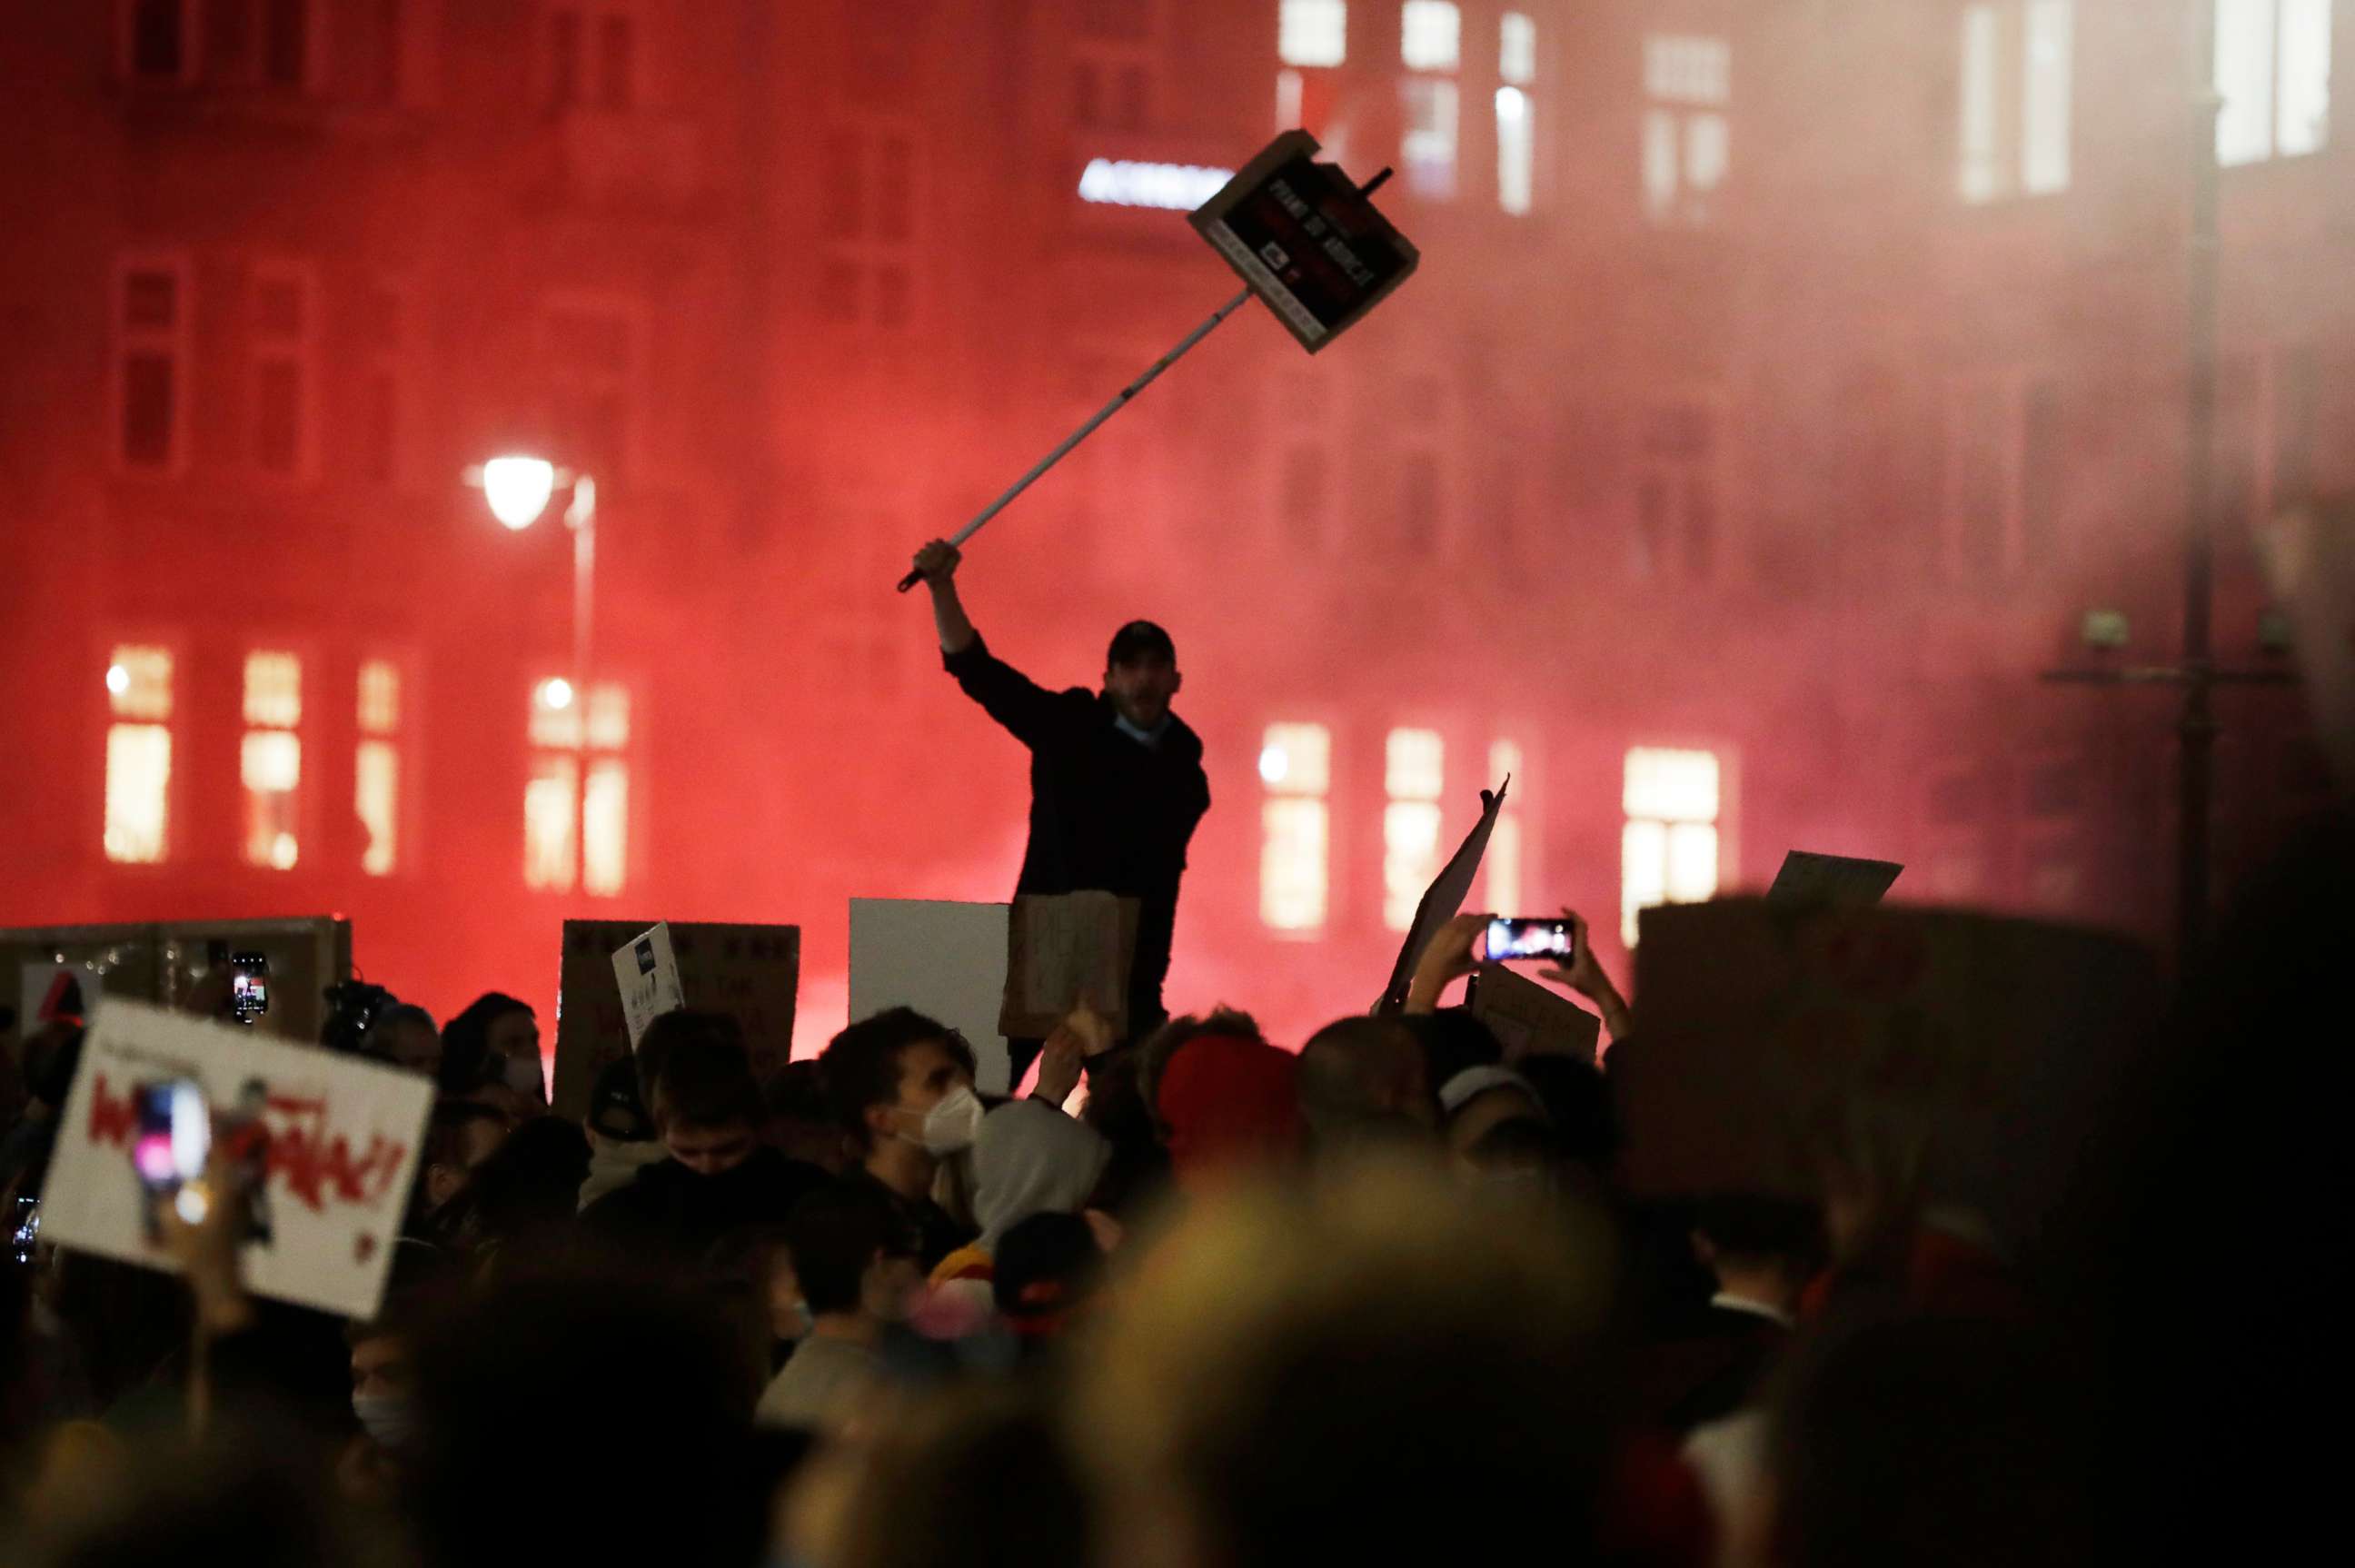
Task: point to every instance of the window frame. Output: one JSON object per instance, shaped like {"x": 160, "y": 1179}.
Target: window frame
{"x": 176, "y": 341}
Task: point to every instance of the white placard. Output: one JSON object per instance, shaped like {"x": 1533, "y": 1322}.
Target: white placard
{"x": 646, "y": 971}
{"x": 946, "y": 960}
{"x": 333, "y": 1138}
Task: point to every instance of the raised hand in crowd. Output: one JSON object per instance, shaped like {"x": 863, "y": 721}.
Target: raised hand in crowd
{"x": 1585, "y": 976}
{"x": 1447, "y": 959}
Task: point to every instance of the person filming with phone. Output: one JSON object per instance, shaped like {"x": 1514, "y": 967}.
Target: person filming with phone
{"x": 1117, "y": 780}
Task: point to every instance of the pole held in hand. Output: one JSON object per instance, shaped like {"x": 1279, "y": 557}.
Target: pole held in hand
{"x": 1125, "y": 395}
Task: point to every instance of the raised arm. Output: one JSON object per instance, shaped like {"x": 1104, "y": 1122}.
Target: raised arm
{"x": 1007, "y": 695}
{"x": 936, "y": 563}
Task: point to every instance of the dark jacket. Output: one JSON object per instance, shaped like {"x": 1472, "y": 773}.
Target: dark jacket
{"x": 1107, "y": 812}
{"x": 672, "y": 1212}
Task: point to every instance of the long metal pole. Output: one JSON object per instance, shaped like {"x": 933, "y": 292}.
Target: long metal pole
{"x": 2198, "y": 728}
{"x": 1120, "y": 402}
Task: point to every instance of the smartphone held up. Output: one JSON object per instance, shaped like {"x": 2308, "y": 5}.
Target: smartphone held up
{"x": 1519, "y": 937}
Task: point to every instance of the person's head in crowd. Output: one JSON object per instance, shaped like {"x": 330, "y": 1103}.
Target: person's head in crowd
{"x": 1957, "y": 1441}
{"x": 1141, "y": 674}
{"x": 1360, "y": 1362}
{"x": 886, "y": 1075}
{"x": 853, "y": 1256}
{"x": 978, "y": 1475}
{"x": 802, "y": 1123}
{"x": 1454, "y": 1041}
{"x": 669, "y": 1030}
{"x": 706, "y": 1105}
{"x": 524, "y": 1195}
{"x": 1518, "y": 1156}
{"x": 1223, "y": 1098}
{"x": 549, "y": 1380}
{"x": 1480, "y": 1098}
{"x": 1763, "y": 1250}
{"x": 459, "y": 1135}
{"x": 383, "y": 1388}
{"x": 1577, "y": 1100}
{"x": 250, "y": 1499}
{"x": 490, "y": 1052}
{"x": 405, "y": 1036}
{"x": 1046, "y": 1272}
{"x": 1030, "y": 1159}
{"x": 753, "y": 1269}
{"x": 1364, "y": 1078}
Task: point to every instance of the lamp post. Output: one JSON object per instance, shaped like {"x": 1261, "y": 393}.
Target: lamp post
{"x": 518, "y": 489}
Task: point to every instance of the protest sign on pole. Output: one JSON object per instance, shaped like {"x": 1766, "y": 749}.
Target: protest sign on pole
{"x": 1064, "y": 949}
{"x": 751, "y": 972}
{"x": 646, "y": 973}
{"x": 946, "y": 960}
{"x": 1983, "y": 1051}
{"x": 315, "y": 1149}
{"x": 1807, "y": 879}
{"x": 1530, "y": 1019}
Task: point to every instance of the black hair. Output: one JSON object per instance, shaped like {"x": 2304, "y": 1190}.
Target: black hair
{"x": 835, "y": 1233}
{"x": 467, "y": 1063}
{"x": 1578, "y": 1097}
{"x": 1454, "y": 1039}
{"x": 796, "y": 1092}
{"x": 671, "y": 1030}
{"x": 1045, "y": 1267}
{"x": 707, "y": 1081}
{"x": 861, "y": 1064}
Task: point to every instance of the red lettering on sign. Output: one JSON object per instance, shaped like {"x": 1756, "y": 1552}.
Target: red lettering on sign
{"x": 315, "y": 1167}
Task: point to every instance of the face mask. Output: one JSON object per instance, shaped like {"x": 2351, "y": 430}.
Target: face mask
{"x": 522, "y": 1074}
{"x": 952, "y": 1125}
{"x": 389, "y": 1419}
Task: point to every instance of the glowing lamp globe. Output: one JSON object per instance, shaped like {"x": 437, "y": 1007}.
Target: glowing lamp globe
{"x": 518, "y": 489}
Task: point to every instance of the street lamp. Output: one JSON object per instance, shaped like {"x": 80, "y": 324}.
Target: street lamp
{"x": 518, "y": 487}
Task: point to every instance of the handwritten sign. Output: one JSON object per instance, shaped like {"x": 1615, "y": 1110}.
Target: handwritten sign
{"x": 320, "y": 1149}
{"x": 1530, "y": 1019}
{"x": 1807, "y": 878}
{"x": 1307, "y": 239}
{"x": 752, "y": 972}
{"x": 646, "y": 973}
{"x": 1061, "y": 949}
{"x": 1986, "y": 1049}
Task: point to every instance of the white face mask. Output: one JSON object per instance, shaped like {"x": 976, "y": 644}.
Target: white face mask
{"x": 388, "y": 1418}
{"x": 522, "y": 1074}
{"x": 950, "y": 1126}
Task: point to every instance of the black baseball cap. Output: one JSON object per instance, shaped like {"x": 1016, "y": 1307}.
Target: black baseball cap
{"x": 1140, "y": 640}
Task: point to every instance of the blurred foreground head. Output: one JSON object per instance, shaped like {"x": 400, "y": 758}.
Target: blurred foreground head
{"x": 1363, "y": 1366}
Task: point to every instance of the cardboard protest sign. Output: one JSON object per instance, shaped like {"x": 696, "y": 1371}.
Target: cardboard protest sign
{"x": 1306, "y": 240}
{"x": 750, "y": 971}
{"x": 646, "y": 973}
{"x": 322, "y": 1149}
{"x": 945, "y": 960}
{"x": 1061, "y": 949}
{"x": 172, "y": 963}
{"x": 1807, "y": 879}
{"x": 1531, "y": 1019}
{"x": 1443, "y": 900}
{"x": 2309, "y": 554}
{"x": 1985, "y": 1049}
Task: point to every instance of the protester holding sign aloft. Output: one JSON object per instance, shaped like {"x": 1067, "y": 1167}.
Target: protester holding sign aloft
{"x": 1117, "y": 780}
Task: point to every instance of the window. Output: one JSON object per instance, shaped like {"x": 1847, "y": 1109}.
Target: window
{"x": 1675, "y": 491}
{"x": 269, "y": 761}
{"x": 1115, "y": 56}
{"x": 159, "y": 41}
{"x": 376, "y": 775}
{"x": 1313, "y": 32}
{"x": 279, "y": 335}
{"x": 1516, "y": 63}
{"x": 151, "y": 366}
{"x": 138, "y": 754}
{"x": 2016, "y": 85}
{"x": 591, "y": 60}
{"x": 2273, "y": 71}
{"x": 1431, "y": 44}
{"x": 867, "y": 275}
{"x": 592, "y": 353}
{"x": 554, "y": 802}
{"x": 1501, "y": 868}
{"x": 1688, "y": 82}
{"x": 2003, "y": 474}
{"x": 1668, "y": 849}
{"x": 1411, "y": 775}
{"x": 385, "y": 385}
{"x": 1296, "y": 835}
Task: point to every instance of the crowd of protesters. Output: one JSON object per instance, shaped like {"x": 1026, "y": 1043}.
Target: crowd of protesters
{"x": 1197, "y": 1298}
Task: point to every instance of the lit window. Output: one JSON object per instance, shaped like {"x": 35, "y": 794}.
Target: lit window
{"x": 151, "y": 366}
{"x": 376, "y": 777}
{"x": 1516, "y": 49}
{"x": 279, "y": 328}
{"x": 1295, "y": 767}
{"x": 138, "y": 753}
{"x": 2018, "y": 61}
{"x": 1688, "y": 82}
{"x": 1431, "y": 35}
{"x": 1501, "y": 868}
{"x": 1428, "y": 146}
{"x": 554, "y": 806}
{"x": 1668, "y": 850}
{"x": 1412, "y": 775}
{"x": 1516, "y": 149}
{"x": 2273, "y": 71}
{"x": 269, "y": 761}
{"x": 1313, "y": 32}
